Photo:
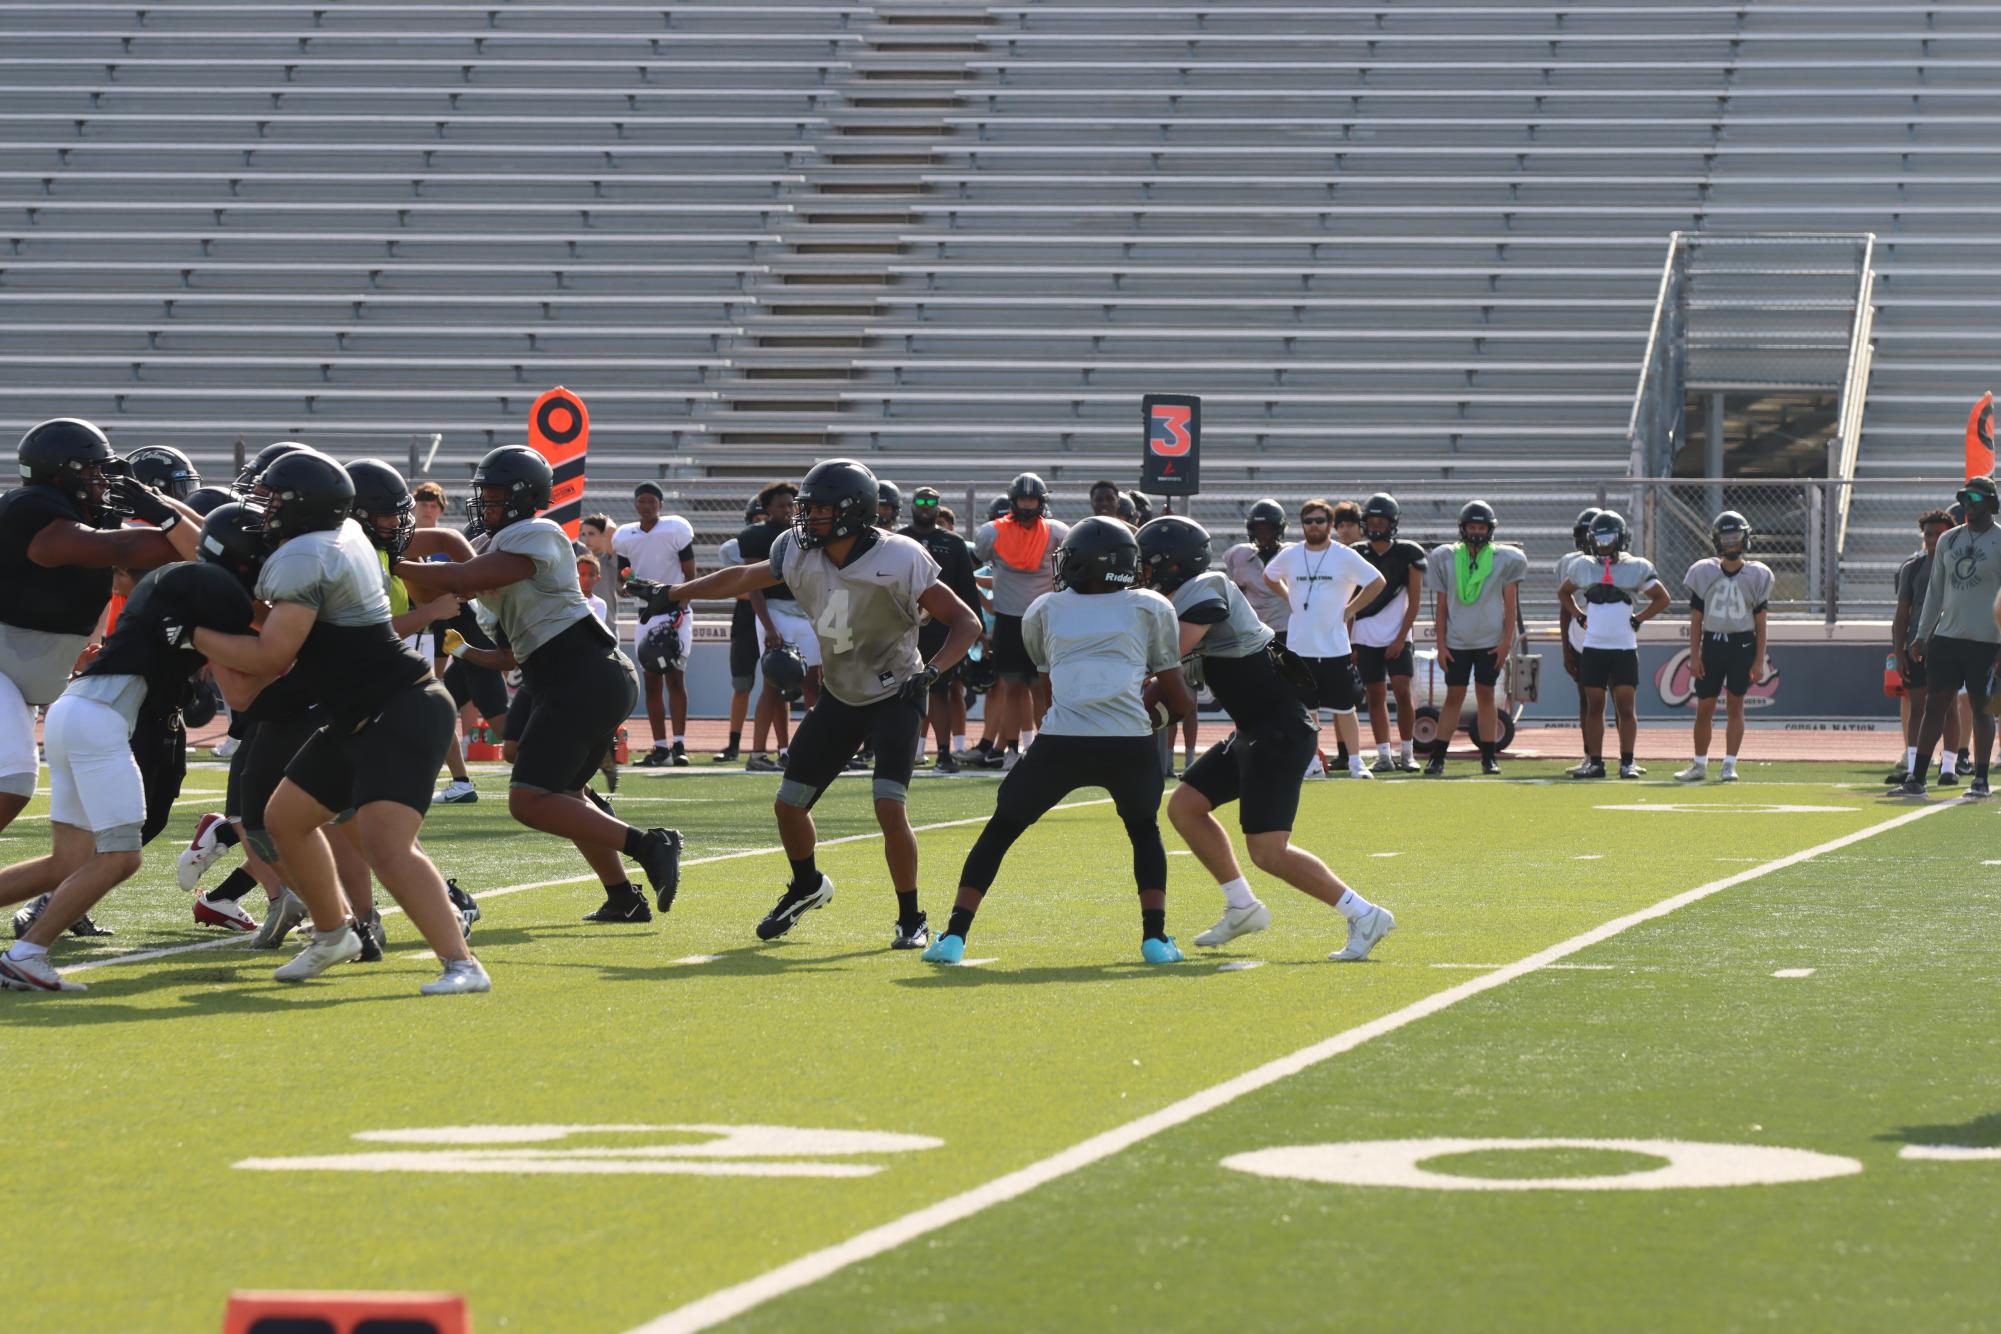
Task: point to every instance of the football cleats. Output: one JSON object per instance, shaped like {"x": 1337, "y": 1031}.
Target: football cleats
{"x": 1380, "y": 516}
{"x": 527, "y": 477}
{"x": 1730, "y": 534}
{"x": 380, "y": 493}
{"x": 304, "y": 492}
{"x": 233, "y": 537}
{"x": 1580, "y": 532}
{"x": 1027, "y": 486}
{"x": 165, "y": 469}
{"x": 785, "y": 671}
{"x": 1099, "y": 556}
{"x": 843, "y": 486}
{"x": 1477, "y": 511}
{"x": 1265, "y": 511}
{"x": 1174, "y": 550}
{"x": 76, "y": 458}
{"x": 1608, "y": 533}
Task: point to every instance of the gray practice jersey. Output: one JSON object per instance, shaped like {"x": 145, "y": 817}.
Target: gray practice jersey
{"x": 865, "y": 613}
{"x": 1729, "y": 603}
{"x": 1913, "y": 577}
{"x": 535, "y": 610}
{"x": 1959, "y": 596}
{"x": 1015, "y": 589}
{"x": 336, "y": 573}
{"x": 1098, "y": 649}
{"x": 1246, "y": 570}
{"x": 1609, "y": 591}
{"x": 1477, "y": 624}
{"x": 1234, "y": 629}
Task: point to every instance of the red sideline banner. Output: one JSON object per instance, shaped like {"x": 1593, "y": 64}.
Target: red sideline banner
{"x": 559, "y": 429}
{"x": 1171, "y": 462}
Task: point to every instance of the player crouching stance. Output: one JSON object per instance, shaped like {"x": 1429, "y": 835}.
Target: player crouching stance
{"x": 580, "y": 686}
{"x": 1262, "y": 764}
{"x": 1097, "y": 639}
{"x": 866, "y": 591}
{"x": 97, "y": 798}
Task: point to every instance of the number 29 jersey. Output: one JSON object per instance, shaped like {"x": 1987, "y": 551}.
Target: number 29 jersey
{"x": 865, "y": 613}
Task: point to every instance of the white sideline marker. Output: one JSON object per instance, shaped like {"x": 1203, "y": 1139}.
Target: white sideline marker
{"x": 1240, "y": 966}
{"x": 733, "y": 1301}
{"x": 1794, "y": 972}
{"x": 699, "y": 958}
{"x": 1386, "y": 854}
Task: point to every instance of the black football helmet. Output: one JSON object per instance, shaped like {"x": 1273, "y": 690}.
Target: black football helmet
{"x": 1730, "y": 534}
{"x": 997, "y": 509}
{"x": 1143, "y": 505}
{"x": 1099, "y": 556}
{"x": 660, "y": 652}
{"x": 233, "y": 537}
{"x": 1128, "y": 512}
{"x": 844, "y": 486}
{"x": 206, "y": 499}
{"x": 1380, "y": 517}
{"x": 1174, "y": 550}
{"x": 1027, "y": 486}
{"x": 380, "y": 492}
{"x": 526, "y": 475}
{"x": 888, "y": 496}
{"x": 303, "y": 492}
{"x": 1477, "y": 511}
{"x": 74, "y": 457}
{"x": 1265, "y": 511}
{"x": 785, "y": 671}
{"x": 165, "y": 469}
{"x": 246, "y": 481}
{"x": 1609, "y": 533}
{"x": 977, "y": 673}
{"x": 753, "y": 512}
{"x": 1580, "y": 532}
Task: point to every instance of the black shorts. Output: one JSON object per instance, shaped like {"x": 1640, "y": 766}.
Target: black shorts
{"x": 1961, "y": 664}
{"x": 519, "y": 710}
{"x": 1472, "y": 664}
{"x": 1261, "y": 771}
{"x": 746, "y": 647}
{"x": 1374, "y": 665}
{"x": 482, "y": 687}
{"x": 1054, "y": 767}
{"x": 160, "y": 746}
{"x": 1914, "y": 674}
{"x": 394, "y": 756}
{"x": 1727, "y": 661}
{"x": 1607, "y": 668}
{"x": 583, "y": 690}
{"x": 271, "y": 747}
{"x": 1334, "y": 682}
{"x": 834, "y": 730}
{"x": 232, "y": 788}
{"x": 1011, "y": 658}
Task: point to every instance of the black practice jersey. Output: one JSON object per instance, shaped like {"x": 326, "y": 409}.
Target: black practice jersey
{"x": 64, "y": 601}
{"x": 1395, "y": 566}
{"x": 182, "y": 595}
{"x": 754, "y": 545}
{"x": 954, "y": 557}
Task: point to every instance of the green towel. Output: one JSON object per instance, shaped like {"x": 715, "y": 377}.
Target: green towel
{"x": 1472, "y": 567}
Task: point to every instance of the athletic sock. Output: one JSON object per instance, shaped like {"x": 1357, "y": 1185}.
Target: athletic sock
{"x": 906, "y": 907}
{"x": 1438, "y": 749}
{"x": 1355, "y": 765}
{"x": 1910, "y": 759}
{"x": 1625, "y": 759}
{"x": 805, "y": 875}
{"x": 634, "y": 841}
{"x": 1352, "y": 905}
{"x": 1153, "y": 924}
{"x": 958, "y": 742}
{"x": 1341, "y": 753}
{"x": 1486, "y": 750}
{"x": 234, "y": 886}
{"x": 1237, "y": 893}
{"x": 1946, "y": 763}
{"x": 1383, "y": 753}
{"x": 1730, "y": 761}
{"x": 22, "y": 951}
{"x": 985, "y": 745}
{"x": 681, "y": 742}
{"x": 624, "y": 890}
{"x": 225, "y": 835}
{"x": 962, "y": 923}
{"x": 1409, "y": 751}
{"x": 1702, "y": 761}
{"x": 736, "y": 741}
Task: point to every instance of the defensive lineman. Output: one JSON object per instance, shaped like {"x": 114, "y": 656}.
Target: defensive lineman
{"x": 1727, "y": 599}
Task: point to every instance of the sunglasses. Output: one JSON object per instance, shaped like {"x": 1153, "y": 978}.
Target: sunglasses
{"x": 922, "y": 503}
{"x": 1317, "y": 518}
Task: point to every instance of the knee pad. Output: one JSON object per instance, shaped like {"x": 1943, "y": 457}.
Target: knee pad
{"x": 261, "y": 843}
{"x": 795, "y": 793}
{"x": 118, "y": 838}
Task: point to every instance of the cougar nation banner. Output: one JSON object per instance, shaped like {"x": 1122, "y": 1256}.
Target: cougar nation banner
{"x": 559, "y": 429}
{"x": 1171, "y": 462}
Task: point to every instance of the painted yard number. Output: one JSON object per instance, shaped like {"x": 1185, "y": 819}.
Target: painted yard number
{"x": 725, "y": 1151}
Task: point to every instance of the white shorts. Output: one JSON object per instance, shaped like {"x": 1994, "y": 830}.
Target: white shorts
{"x": 18, "y": 765}
{"x": 796, "y": 628}
{"x": 94, "y": 782}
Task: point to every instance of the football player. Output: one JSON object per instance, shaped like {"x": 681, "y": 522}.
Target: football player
{"x": 778, "y": 616}
{"x": 1912, "y": 577}
{"x": 1473, "y": 616}
{"x": 1381, "y": 632}
{"x": 661, "y": 549}
{"x": 955, "y": 570}
{"x": 1021, "y": 548}
{"x": 1957, "y": 634}
{"x": 1605, "y": 587}
{"x": 1570, "y": 626}
{"x": 1727, "y": 599}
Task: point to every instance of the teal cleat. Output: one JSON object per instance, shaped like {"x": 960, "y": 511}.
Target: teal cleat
{"x": 1160, "y": 951}
{"x": 946, "y": 949}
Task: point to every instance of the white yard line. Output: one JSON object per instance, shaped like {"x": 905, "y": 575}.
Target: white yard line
{"x": 733, "y": 1301}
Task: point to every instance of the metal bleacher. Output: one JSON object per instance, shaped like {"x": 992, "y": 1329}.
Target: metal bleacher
{"x": 1387, "y": 243}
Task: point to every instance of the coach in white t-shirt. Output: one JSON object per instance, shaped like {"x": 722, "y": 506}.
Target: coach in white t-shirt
{"x": 661, "y": 548}
{"x": 1325, "y": 583}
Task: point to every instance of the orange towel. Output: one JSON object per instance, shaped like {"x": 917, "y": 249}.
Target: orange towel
{"x": 1021, "y": 546}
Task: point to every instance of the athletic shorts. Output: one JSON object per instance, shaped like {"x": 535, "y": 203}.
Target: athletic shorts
{"x": 271, "y": 748}
{"x": 1374, "y": 665}
{"x": 1056, "y": 765}
{"x": 1915, "y": 675}
{"x": 1605, "y": 668}
{"x": 746, "y": 647}
{"x": 834, "y": 730}
{"x": 232, "y": 787}
{"x": 794, "y": 627}
{"x": 19, "y": 766}
{"x": 1011, "y": 658}
{"x": 1472, "y": 664}
{"x": 1961, "y": 664}
{"x": 687, "y": 635}
{"x": 1727, "y": 661}
{"x": 1334, "y": 682}
{"x": 160, "y": 745}
{"x": 1261, "y": 771}
{"x": 394, "y": 756}
{"x": 584, "y": 690}
{"x": 94, "y": 782}
{"x": 482, "y": 687}
{"x": 519, "y": 710}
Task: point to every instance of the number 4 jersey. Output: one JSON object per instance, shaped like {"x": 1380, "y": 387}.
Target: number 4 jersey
{"x": 865, "y": 613}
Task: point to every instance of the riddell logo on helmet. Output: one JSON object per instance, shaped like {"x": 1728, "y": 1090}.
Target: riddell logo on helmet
{"x": 1676, "y": 683}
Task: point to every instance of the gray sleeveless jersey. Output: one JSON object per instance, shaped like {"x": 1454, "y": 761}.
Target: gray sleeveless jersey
{"x": 865, "y": 614}
{"x": 336, "y": 573}
{"x": 1098, "y": 649}
{"x": 537, "y": 609}
{"x": 1238, "y": 633}
{"x": 1729, "y": 603}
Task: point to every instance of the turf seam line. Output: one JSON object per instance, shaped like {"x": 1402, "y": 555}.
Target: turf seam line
{"x": 728, "y": 1303}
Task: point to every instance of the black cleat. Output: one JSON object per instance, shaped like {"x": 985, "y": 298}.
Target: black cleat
{"x": 1977, "y": 789}
{"x": 629, "y": 907}
{"x": 1489, "y": 765}
{"x": 654, "y": 759}
{"x": 727, "y": 755}
{"x": 1911, "y": 787}
{"x": 596, "y": 798}
{"x": 946, "y": 764}
{"x": 82, "y": 926}
{"x": 610, "y": 772}
{"x": 465, "y": 904}
{"x": 370, "y": 932}
{"x": 1898, "y": 777}
{"x": 678, "y": 757}
{"x": 1593, "y": 769}
{"x": 1948, "y": 780}
{"x": 660, "y": 856}
{"x": 1435, "y": 767}
{"x": 791, "y": 906}
{"x": 760, "y": 763}
{"x": 912, "y": 936}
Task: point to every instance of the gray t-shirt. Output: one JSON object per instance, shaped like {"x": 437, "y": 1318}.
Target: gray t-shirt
{"x": 1477, "y": 624}
{"x": 1959, "y": 596}
{"x": 1234, "y": 629}
{"x": 1015, "y": 589}
{"x": 1247, "y": 571}
{"x": 1912, "y": 578}
{"x": 1098, "y": 649}
{"x": 1729, "y": 603}
{"x": 336, "y": 573}
{"x": 535, "y": 610}
{"x": 865, "y": 613}
{"x": 1606, "y": 593}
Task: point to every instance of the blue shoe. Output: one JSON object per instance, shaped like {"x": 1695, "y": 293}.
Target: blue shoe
{"x": 1160, "y": 951}
{"x": 946, "y": 949}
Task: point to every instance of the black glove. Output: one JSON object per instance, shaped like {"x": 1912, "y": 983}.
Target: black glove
{"x": 135, "y": 498}
{"x": 918, "y": 688}
{"x": 1635, "y": 620}
{"x": 652, "y": 597}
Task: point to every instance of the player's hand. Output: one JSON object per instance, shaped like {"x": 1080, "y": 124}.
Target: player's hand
{"x": 1500, "y": 657}
{"x": 918, "y": 688}
{"x": 1918, "y": 648}
{"x": 455, "y": 644}
{"x": 1761, "y": 671}
{"x": 1635, "y": 622}
{"x": 142, "y": 502}
{"x": 772, "y": 639}
{"x": 443, "y": 607}
{"x": 1444, "y": 656}
{"x": 1571, "y": 664}
{"x": 1395, "y": 648}
{"x": 1695, "y": 668}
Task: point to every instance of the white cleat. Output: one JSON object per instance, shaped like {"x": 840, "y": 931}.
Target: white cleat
{"x": 225, "y": 913}
{"x": 202, "y": 851}
{"x": 1359, "y": 771}
{"x": 35, "y": 974}
{"x": 1236, "y": 922}
{"x": 1695, "y": 773}
{"x": 462, "y": 977}
{"x": 321, "y": 955}
{"x": 1729, "y": 775}
{"x": 225, "y": 749}
{"x": 1364, "y": 932}
{"x": 286, "y": 911}
{"x": 458, "y": 792}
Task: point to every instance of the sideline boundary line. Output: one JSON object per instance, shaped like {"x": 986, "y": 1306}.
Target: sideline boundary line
{"x": 730, "y": 1302}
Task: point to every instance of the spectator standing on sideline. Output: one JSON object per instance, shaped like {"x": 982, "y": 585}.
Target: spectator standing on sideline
{"x": 662, "y": 550}
{"x": 1957, "y": 635}
{"x": 955, "y": 571}
{"x": 1325, "y": 584}
{"x": 1913, "y": 577}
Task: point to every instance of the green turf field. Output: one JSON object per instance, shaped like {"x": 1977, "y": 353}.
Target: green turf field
{"x": 1043, "y": 1137}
